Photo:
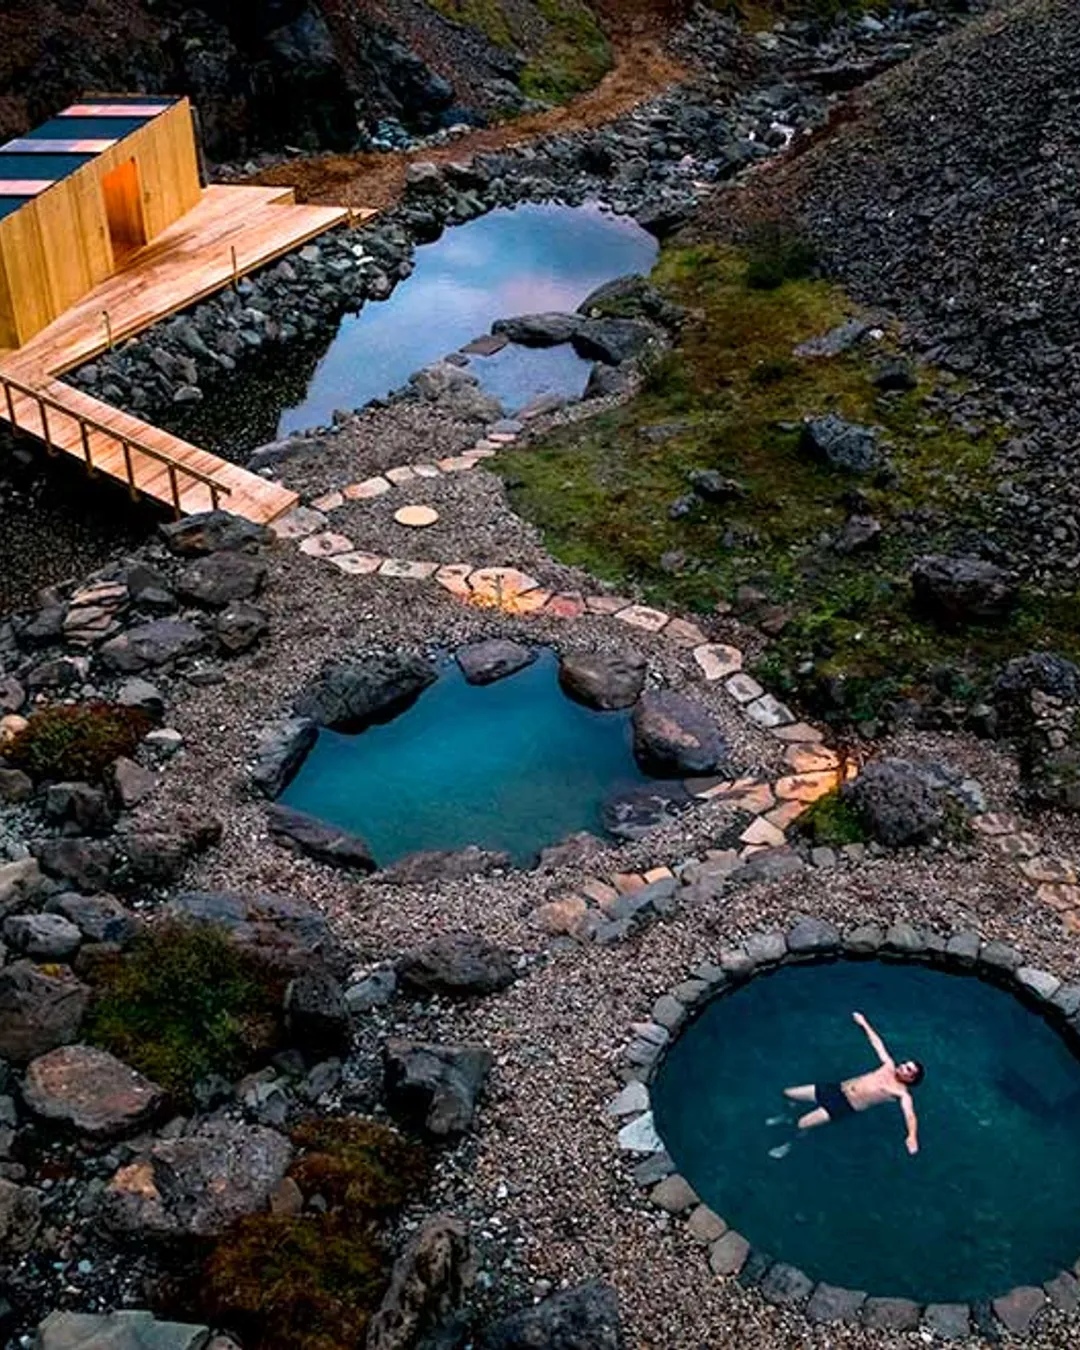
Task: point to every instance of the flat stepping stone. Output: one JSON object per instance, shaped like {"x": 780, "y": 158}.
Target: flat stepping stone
{"x": 299, "y": 523}
{"x": 416, "y": 517}
{"x": 426, "y": 470}
{"x": 499, "y": 584}
{"x": 454, "y": 577}
{"x": 641, "y": 616}
{"x": 329, "y": 501}
{"x": 405, "y": 473}
{"x": 357, "y": 564}
{"x": 718, "y": 661}
{"x": 365, "y": 491}
{"x": 400, "y": 569}
{"x": 326, "y": 545}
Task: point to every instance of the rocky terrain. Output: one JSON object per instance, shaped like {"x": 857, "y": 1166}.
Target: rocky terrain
{"x": 257, "y": 1091}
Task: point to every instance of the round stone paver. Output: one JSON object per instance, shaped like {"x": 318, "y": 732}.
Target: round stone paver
{"x": 416, "y": 517}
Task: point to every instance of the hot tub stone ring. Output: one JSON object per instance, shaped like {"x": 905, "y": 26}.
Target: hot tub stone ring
{"x": 731, "y": 1254}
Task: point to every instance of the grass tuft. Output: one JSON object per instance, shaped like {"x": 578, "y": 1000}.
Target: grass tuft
{"x": 76, "y": 742}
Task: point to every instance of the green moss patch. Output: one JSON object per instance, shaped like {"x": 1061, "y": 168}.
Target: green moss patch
{"x": 312, "y": 1281}
{"x": 832, "y": 822}
{"x": 731, "y": 398}
{"x": 185, "y": 1003}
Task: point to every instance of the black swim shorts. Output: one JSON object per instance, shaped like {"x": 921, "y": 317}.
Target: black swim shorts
{"x": 832, "y": 1099}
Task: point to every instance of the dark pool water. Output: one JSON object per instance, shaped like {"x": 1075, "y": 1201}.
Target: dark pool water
{"x": 517, "y": 260}
{"x": 989, "y": 1202}
{"x": 513, "y": 765}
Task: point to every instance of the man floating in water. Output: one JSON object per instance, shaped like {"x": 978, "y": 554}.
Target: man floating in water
{"x": 891, "y": 1082}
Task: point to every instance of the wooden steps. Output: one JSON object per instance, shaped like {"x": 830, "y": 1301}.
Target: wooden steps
{"x": 232, "y": 231}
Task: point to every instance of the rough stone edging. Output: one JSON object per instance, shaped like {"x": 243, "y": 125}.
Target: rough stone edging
{"x": 1016, "y": 1311}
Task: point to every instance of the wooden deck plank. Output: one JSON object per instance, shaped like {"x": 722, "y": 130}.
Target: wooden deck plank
{"x": 186, "y": 263}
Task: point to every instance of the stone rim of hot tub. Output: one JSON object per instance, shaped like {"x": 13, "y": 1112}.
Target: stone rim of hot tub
{"x": 1017, "y": 1310}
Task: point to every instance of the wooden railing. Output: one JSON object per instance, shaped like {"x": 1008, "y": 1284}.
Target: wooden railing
{"x": 126, "y": 442}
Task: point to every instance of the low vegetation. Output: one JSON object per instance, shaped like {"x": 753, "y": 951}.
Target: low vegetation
{"x": 186, "y": 1002}
{"x": 613, "y": 494}
{"x": 311, "y": 1281}
{"x": 76, "y": 742}
{"x": 832, "y": 822}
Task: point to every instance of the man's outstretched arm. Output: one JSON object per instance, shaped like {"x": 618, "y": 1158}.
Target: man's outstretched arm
{"x": 908, "y": 1108}
{"x": 875, "y": 1040}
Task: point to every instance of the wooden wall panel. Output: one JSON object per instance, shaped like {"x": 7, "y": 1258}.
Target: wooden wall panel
{"x": 9, "y": 331}
{"x": 28, "y": 277}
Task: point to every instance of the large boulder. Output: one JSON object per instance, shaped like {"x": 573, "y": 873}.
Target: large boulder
{"x": 1043, "y": 673}
{"x": 601, "y": 680}
{"x": 153, "y": 644}
{"x": 428, "y": 1288}
{"x": 98, "y": 918}
{"x": 583, "y": 1318}
{"x": 316, "y": 1014}
{"x": 896, "y": 803}
{"x": 417, "y": 869}
{"x": 86, "y": 864}
{"x": 39, "y": 1010}
{"x": 222, "y": 579}
{"x": 89, "y": 1090}
{"x": 280, "y": 749}
{"x": 350, "y": 693}
{"x": 961, "y": 590}
{"x": 630, "y": 297}
{"x": 123, "y": 1330}
{"x": 676, "y": 738}
{"x": 214, "y": 532}
{"x": 841, "y": 445}
{"x": 435, "y": 1088}
{"x": 155, "y": 855}
{"x": 288, "y": 934}
{"x": 486, "y": 662}
{"x": 318, "y": 839}
{"x": 21, "y": 882}
{"x": 457, "y": 964}
{"x": 539, "y": 330}
{"x": 44, "y": 937}
{"x": 613, "y": 341}
{"x": 199, "y": 1184}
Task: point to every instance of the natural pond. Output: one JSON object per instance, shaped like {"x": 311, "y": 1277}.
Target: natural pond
{"x": 521, "y": 260}
{"x": 514, "y": 765}
{"x": 989, "y": 1202}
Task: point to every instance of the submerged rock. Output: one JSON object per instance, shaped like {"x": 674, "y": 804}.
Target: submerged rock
{"x": 319, "y": 839}
{"x": 435, "y": 1088}
{"x": 583, "y": 1318}
{"x": 350, "y": 693}
{"x": 603, "y": 681}
{"x": 458, "y": 964}
{"x": 675, "y": 737}
{"x": 486, "y": 662}
{"x": 634, "y": 814}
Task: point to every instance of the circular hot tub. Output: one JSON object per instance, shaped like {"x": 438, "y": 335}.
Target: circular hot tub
{"x": 989, "y": 1201}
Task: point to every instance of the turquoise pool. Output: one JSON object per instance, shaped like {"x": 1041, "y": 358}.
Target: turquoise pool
{"x": 990, "y": 1200}
{"x": 513, "y": 765}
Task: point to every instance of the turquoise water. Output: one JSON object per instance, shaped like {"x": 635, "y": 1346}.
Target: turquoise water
{"x": 513, "y": 765}
{"x": 989, "y": 1202}
{"x": 512, "y": 261}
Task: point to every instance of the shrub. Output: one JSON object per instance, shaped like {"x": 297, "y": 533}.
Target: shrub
{"x": 775, "y": 254}
{"x": 312, "y": 1281}
{"x": 186, "y": 1002}
{"x": 76, "y": 741}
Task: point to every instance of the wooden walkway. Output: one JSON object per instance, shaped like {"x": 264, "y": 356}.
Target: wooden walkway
{"x": 232, "y": 231}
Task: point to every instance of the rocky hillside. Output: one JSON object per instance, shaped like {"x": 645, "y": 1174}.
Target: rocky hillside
{"x": 308, "y": 73}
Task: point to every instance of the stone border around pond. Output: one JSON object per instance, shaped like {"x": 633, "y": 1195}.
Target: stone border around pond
{"x": 730, "y": 1253}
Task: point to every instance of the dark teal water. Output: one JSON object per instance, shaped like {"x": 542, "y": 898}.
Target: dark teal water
{"x": 512, "y": 261}
{"x": 513, "y": 765}
{"x": 990, "y": 1201}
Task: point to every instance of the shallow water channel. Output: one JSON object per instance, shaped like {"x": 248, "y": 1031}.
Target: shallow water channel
{"x": 520, "y": 260}
{"x": 513, "y": 766}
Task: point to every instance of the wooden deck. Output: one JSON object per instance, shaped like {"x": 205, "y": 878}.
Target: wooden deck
{"x": 232, "y": 231}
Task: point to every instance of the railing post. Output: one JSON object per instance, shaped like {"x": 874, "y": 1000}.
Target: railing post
{"x": 108, "y": 329}
{"x": 88, "y": 454}
{"x": 47, "y": 437}
{"x": 11, "y": 405}
{"x": 235, "y": 268}
{"x": 126, "y": 445}
{"x": 174, "y": 486}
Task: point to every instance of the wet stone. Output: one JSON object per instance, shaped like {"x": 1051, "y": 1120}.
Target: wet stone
{"x": 640, "y": 1136}
{"x": 950, "y": 1321}
{"x": 1040, "y": 982}
{"x": 1000, "y": 956}
{"x": 669, "y": 1012}
{"x": 705, "y": 1225}
{"x": 830, "y": 1303}
{"x": 786, "y": 1286}
{"x": 1018, "y": 1309}
{"x": 653, "y": 1169}
{"x": 728, "y": 1254}
{"x": 890, "y": 1314}
{"x": 766, "y": 949}
{"x": 964, "y": 947}
{"x": 1067, "y": 999}
{"x": 1063, "y": 1291}
{"x": 902, "y": 938}
{"x": 674, "y": 1194}
{"x": 633, "y": 1099}
{"x": 810, "y": 936}
{"x": 868, "y": 937}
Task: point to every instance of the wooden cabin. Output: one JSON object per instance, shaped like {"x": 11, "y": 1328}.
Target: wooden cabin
{"x": 81, "y": 193}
